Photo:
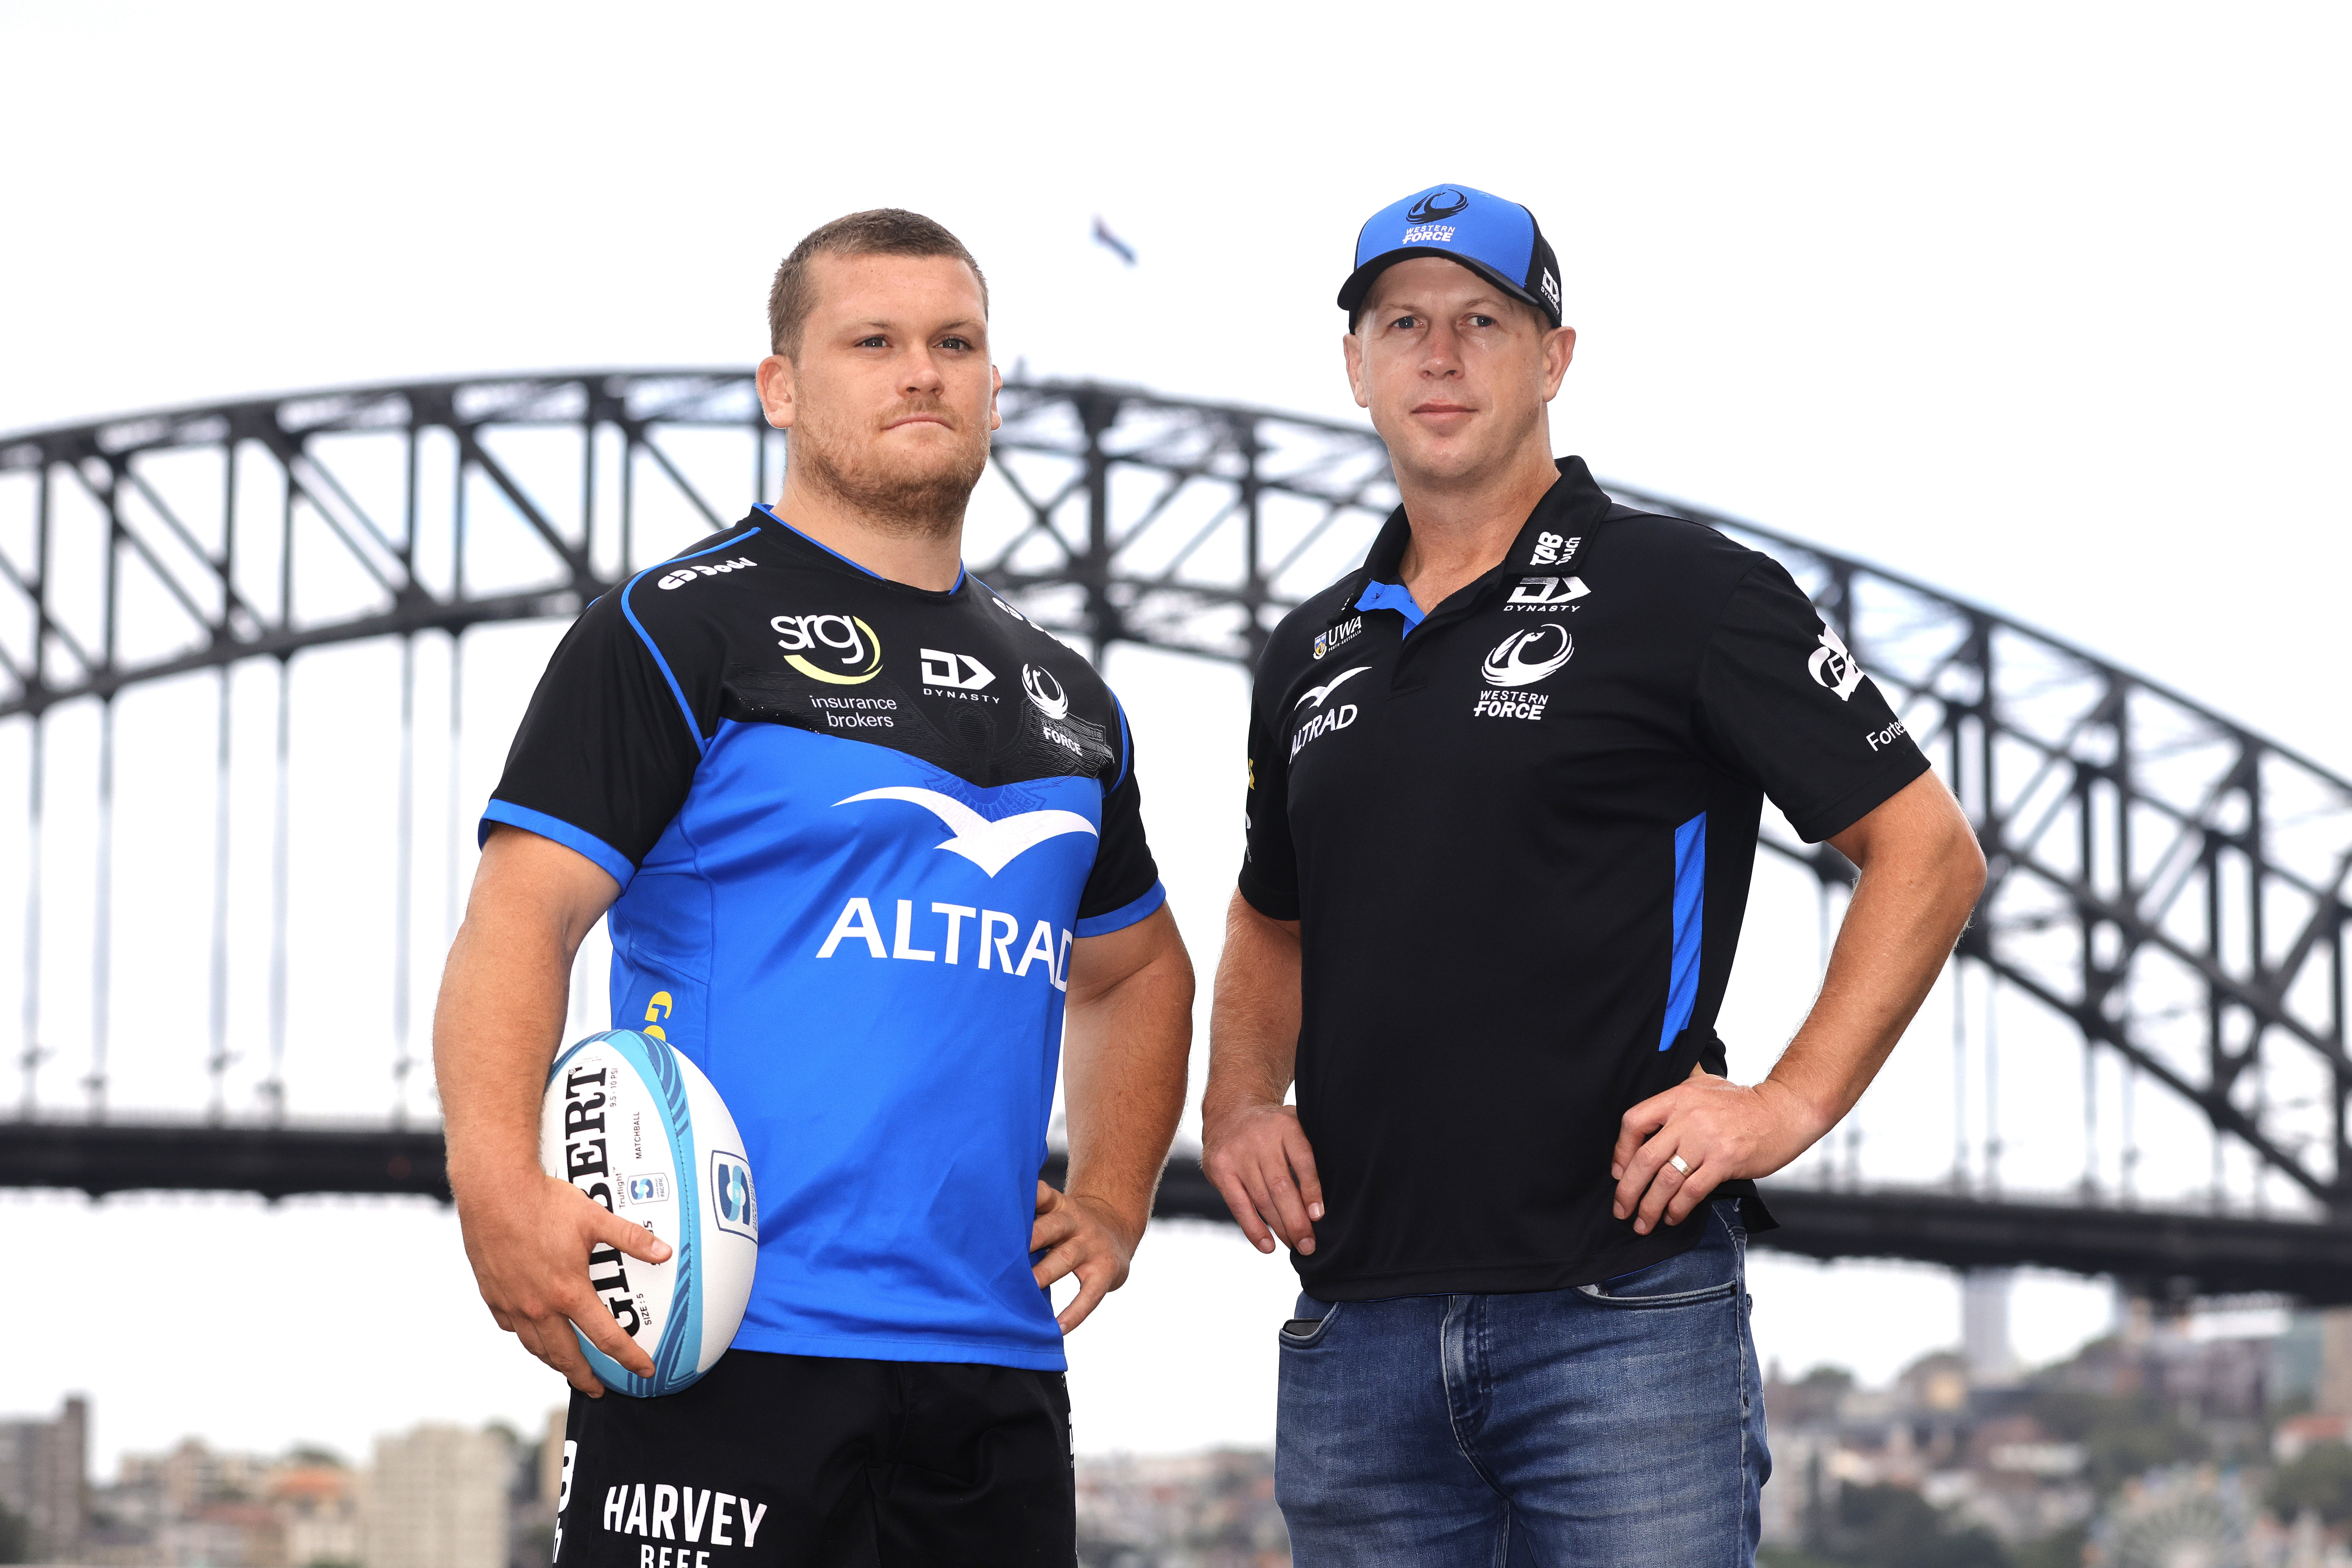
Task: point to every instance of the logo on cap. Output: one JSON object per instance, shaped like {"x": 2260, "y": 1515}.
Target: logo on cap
{"x": 1552, "y": 288}
{"x": 1443, "y": 202}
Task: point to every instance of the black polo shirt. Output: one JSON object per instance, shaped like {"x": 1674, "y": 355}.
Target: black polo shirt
{"x": 1517, "y": 836}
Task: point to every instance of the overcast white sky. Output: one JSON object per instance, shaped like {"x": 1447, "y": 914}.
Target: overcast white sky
{"x": 2042, "y": 303}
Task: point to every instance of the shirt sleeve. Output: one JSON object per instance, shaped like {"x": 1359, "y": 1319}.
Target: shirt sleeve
{"x": 1269, "y": 879}
{"x": 606, "y": 751}
{"x": 1783, "y": 703}
{"x": 1124, "y": 886}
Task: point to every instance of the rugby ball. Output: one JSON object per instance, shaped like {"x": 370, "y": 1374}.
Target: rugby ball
{"x": 637, "y": 1127}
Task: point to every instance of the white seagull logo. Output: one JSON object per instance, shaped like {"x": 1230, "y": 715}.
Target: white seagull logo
{"x": 1315, "y": 694}
{"x": 991, "y": 845}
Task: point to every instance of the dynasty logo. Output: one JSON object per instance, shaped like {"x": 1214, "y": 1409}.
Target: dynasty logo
{"x": 808, "y": 638}
{"x": 955, "y": 672}
{"x": 1545, "y": 592}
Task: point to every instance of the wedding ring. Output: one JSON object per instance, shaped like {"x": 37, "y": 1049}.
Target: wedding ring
{"x": 1677, "y": 1162}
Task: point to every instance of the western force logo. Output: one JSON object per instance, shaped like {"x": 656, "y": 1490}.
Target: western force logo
{"x": 1044, "y": 691}
{"x": 991, "y": 845}
{"x": 1545, "y": 592}
{"x": 1334, "y": 637}
{"x": 730, "y": 1194}
{"x": 1521, "y": 659}
{"x": 804, "y": 637}
{"x": 1525, "y": 658}
{"x": 685, "y": 575}
{"x": 1833, "y": 666}
{"x": 1551, "y": 550}
{"x": 954, "y": 671}
{"x": 1443, "y": 202}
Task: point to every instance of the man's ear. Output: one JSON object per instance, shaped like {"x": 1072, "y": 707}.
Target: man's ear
{"x": 1559, "y": 349}
{"x": 776, "y": 391}
{"x": 995, "y": 385}
{"x": 1351, "y": 348}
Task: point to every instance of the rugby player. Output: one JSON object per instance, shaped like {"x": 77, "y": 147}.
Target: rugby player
{"x": 870, "y": 848}
{"x": 1504, "y": 783}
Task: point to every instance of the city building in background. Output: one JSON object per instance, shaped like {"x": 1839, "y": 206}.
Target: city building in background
{"x": 44, "y": 1470}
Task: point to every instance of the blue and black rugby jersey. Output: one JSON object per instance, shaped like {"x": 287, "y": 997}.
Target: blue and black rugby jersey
{"x": 1517, "y": 834}
{"x": 857, "y": 827}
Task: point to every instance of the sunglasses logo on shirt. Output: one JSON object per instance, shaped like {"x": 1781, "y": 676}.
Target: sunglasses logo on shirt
{"x": 807, "y": 639}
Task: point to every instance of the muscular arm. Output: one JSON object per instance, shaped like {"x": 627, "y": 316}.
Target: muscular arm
{"x": 497, "y": 1027}
{"x": 1127, "y": 1036}
{"x": 1921, "y": 874}
{"x": 1251, "y": 1143}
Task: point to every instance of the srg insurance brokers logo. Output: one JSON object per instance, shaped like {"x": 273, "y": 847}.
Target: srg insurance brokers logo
{"x": 808, "y": 638}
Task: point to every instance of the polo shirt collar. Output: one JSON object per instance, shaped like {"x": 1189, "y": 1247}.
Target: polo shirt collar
{"x": 1573, "y": 504}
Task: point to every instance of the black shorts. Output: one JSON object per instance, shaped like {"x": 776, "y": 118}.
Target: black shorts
{"x": 808, "y": 1462}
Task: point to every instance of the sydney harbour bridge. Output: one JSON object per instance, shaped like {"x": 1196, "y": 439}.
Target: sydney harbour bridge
{"x": 258, "y": 661}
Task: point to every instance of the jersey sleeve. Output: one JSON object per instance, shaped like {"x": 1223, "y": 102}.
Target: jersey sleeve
{"x": 1783, "y": 704}
{"x": 605, "y": 752}
{"x": 1124, "y": 886}
{"x": 1269, "y": 879}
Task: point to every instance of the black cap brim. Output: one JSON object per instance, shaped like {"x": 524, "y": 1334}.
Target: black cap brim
{"x": 1360, "y": 281}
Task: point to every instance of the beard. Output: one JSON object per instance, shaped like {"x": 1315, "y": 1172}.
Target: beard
{"x": 919, "y": 499}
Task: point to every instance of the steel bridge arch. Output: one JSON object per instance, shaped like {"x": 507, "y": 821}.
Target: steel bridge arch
{"x": 2169, "y": 882}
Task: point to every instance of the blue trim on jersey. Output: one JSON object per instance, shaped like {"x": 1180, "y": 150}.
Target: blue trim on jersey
{"x": 1690, "y": 910}
{"x": 1126, "y": 741}
{"x": 1125, "y": 915}
{"x": 693, "y": 727}
{"x": 611, "y": 861}
{"x": 837, "y": 556}
{"x": 1391, "y": 596}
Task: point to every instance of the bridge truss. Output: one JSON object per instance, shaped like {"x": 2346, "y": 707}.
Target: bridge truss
{"x": 2167, "y": 884}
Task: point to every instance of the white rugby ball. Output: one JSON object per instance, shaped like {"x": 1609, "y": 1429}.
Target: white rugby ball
{"x": 637, "y": 1127}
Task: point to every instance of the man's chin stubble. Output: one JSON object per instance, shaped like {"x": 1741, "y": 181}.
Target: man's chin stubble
{"x": 911, "y": 505}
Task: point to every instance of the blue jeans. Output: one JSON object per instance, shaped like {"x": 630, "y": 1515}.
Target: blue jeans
{"x": 1618, "y": 1425}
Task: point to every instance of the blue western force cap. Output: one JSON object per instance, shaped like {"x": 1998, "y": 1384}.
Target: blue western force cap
{"x": 1493, "y": 237}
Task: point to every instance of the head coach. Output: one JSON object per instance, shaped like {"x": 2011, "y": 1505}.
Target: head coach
{"x": 1505, "y": 782}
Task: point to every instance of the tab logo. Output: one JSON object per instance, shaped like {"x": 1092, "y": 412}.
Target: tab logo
{"x": 824, "y": 636}
{"x": 955, "y": 671}
{"x": 1833, "y": 668}
{"x": 1551, "y": 550}
{"x": 1545, "y": 592}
